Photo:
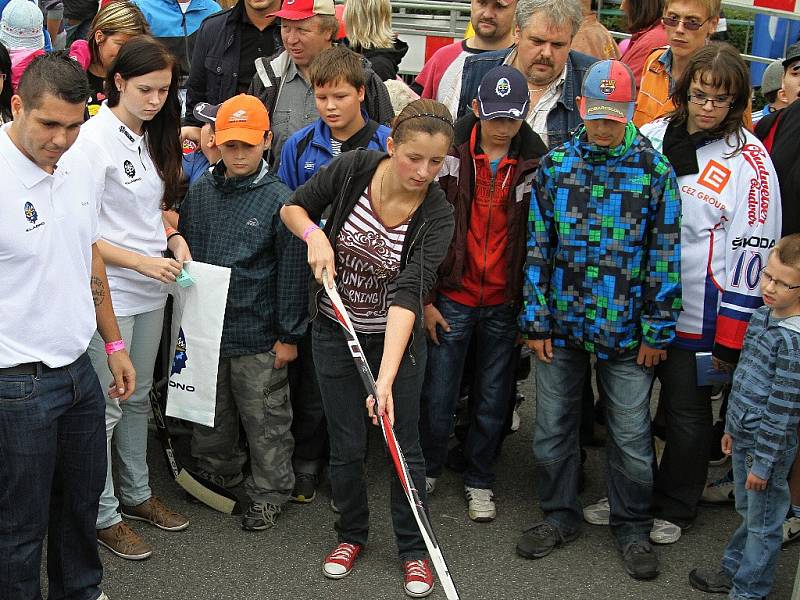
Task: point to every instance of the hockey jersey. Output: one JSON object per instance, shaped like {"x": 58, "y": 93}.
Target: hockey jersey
{"x": 731, "y": 218}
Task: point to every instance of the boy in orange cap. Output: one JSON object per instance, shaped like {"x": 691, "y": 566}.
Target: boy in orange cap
{"x": 231, "y": 214}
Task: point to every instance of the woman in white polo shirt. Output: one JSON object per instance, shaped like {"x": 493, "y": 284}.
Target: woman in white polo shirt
{"x": 133, "y": 141}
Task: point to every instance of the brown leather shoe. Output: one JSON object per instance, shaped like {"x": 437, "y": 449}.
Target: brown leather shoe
{"x": 124, "y": 542}
{"x": 154, "y": 512}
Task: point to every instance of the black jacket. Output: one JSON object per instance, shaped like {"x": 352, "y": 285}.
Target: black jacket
{"x": 785, "y": 155}
{"x": 215, "y": 60}
{"x": 385, "y": 61}
{"x": 340, "y": 184}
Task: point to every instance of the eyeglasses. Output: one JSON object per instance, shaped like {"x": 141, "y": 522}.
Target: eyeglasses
{"x": 691, "y": 25}
{"x": 716, "y": 101}
{"x": 780, "y": 285}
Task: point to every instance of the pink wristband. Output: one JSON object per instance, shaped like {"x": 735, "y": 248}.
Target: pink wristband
{"x": 112, "y": 347}
{"x": 309, "y": 230}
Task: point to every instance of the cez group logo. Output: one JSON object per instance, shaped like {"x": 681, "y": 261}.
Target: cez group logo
{"x": 179, "y": 362}
{"x": 30, "y": 213}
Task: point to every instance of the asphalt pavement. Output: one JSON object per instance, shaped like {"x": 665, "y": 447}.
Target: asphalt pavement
{"x": 214, "y": 559}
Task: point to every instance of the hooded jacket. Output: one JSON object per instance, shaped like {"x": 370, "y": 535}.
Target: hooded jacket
{"x": 603, "y": 271}
{"x": 267, "y": 83}
{"x": 385, "y": 61}
{"x": 458, "y": 180}
{"x": 340, "y": 184}
{"x": 235, "y": 223}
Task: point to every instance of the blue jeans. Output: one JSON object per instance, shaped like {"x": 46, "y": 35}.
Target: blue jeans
{"x": 343, "y": 399}
{"x": 629, "y": 453}
{"x": 52, "y": 470}
{"x": 752, "y": 553}
{"x": 496, "y": 331}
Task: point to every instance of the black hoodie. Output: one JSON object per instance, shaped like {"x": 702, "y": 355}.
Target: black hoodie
{"x": 385, "y": 61}
{"x": 340, "y": 184}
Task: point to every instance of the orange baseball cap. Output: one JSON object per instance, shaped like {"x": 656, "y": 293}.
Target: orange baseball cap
{"x": 242, "y": 118}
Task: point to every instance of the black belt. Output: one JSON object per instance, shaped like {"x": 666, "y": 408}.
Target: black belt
{"x": 26, "y": 369}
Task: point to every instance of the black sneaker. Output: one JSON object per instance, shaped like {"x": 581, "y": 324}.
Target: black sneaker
{"x": 640, "y": 560}
{"x": 260, "y": 516}
{"x": 539, "y": 540}
{"x": 305, "y": 488}
{"x": 712, "y": 582}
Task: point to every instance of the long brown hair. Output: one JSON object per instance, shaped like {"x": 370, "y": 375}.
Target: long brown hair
{"x": 139, "y": 56}
{"x": 716, "y": 65}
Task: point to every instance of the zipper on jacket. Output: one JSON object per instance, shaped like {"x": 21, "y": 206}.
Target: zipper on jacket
{"x": 421, "y": 305}
{"x": 486, "y": 239}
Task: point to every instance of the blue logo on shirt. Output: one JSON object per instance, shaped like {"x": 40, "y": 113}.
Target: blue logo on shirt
{"x": 30, "y": 213}
{"x": 179, "y": 363}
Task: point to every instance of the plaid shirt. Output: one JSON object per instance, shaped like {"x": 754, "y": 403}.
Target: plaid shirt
{"x": 236, "y": 223}
{"x": 603, "y": 271}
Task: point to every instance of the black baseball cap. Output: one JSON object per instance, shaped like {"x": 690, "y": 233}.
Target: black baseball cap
{"x": 503, "y": 93}
{"x": 205, "y": 112}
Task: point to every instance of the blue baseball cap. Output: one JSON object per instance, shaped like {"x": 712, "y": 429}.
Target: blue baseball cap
{"x": 503, "y": 93}
{"x": 608, "y": 92}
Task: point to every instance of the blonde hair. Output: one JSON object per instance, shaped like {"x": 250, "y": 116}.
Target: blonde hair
{"x": 368, "y": 23}
{"x": 119, "y": 16}
{"x": 712, "y": 7}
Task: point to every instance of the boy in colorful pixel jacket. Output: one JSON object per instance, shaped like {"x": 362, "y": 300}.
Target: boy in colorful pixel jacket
{"x": 602, "y": 278}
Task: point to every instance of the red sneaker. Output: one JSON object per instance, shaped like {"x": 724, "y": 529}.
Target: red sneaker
{"x": 419, "y": 579}
{"x": 340, "y": 561}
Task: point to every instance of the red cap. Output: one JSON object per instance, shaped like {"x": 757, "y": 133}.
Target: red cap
{"x": 297, "y": 10}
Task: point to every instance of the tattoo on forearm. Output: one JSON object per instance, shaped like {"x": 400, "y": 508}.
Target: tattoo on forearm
{"x": 98, "y": 290}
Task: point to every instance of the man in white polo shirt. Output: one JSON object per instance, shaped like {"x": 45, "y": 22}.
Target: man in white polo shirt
{"x": 54, "y": 295}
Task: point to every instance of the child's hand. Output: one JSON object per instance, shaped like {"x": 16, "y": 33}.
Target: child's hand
{"x": 755, "y": 483}
{"x": 727, "y": 444}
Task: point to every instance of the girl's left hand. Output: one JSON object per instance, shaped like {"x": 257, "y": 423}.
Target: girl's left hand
{"x": 385, "y": 402}
{"x": 179, "y": 249}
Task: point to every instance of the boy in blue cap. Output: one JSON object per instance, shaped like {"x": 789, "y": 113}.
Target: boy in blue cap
{"x": 602, "y": 278}
{"x": 487, "y": 177}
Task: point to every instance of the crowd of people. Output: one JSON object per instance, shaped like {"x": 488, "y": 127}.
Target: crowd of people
{"x": 612, "y": 209}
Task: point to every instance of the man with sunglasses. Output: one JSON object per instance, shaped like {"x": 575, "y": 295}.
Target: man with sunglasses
{"x": 689, "y": 25}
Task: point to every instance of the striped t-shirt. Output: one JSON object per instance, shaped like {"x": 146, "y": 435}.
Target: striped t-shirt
{"x": 367, "y": 264}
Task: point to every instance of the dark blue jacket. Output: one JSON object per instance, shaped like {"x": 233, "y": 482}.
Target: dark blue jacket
{"x": 562, "y": 121}
{"x": 309, "y": 149}
{"x": 215, "y": 60}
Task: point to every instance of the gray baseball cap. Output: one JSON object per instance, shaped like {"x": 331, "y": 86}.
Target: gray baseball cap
{"x": 792, "y": 54}
{"x": 772, "y": 79}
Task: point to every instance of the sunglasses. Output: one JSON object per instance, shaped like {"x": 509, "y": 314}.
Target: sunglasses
{"x": 691, "y": 25}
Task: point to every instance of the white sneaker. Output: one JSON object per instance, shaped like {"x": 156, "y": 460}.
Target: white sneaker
{"x": 598, "y": 513}
{"x": 480, "y": 504}
{"x": 664, "y": 532}
{"x": 102, "y": 596}
{"x": 791, "y": 530}
{"x": 720, "y": 491}
{"x": 430, "y": 484}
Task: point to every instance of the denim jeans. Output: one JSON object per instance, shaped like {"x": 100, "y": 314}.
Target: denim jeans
{"x": 52, "y": 469}
{"x": 126, "y": 422}
{"x": 629, "y": 453}
{"x": 343, "y": 399}
{"x": 681, "y": 475}
{"x": 495, "y": 328}
{"x": 752, "y": 553}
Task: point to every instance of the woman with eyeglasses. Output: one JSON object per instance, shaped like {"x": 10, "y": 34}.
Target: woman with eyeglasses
{"x": 689, "y": 25}
{"x": 731, "y": 218}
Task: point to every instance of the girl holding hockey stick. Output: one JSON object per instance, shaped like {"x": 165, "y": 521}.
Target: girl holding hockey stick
{"x": 389, "y": 228}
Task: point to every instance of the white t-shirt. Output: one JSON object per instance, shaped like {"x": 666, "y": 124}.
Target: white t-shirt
{"x": 129, "y": 193}
{"x": 47, "y": 227}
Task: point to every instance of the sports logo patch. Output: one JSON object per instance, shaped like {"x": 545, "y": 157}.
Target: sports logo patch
{"x": 240, "y": 116}
{"x": 607, "y": 86}
{"x": 30, "y": 213}
{"x": 179, "y": 362}
{"x": 130, "y": 171}
{"x": 715, "y": 177}
{"x": 253, "y": 222}
{"x": 124, "y": 131}
{"x": 503, "y": 87}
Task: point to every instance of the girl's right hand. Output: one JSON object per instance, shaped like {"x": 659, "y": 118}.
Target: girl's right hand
{"x": 165, "y": 270}
{"x": 320, "y": 255}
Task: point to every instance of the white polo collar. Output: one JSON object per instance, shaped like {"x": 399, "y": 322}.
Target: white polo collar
{"x": 22, "y": 167}
{"x": 125, "y": 134}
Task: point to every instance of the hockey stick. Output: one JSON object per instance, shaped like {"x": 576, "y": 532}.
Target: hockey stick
{"x": 395, "y": 451}
{"x": 207, "y": 492}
